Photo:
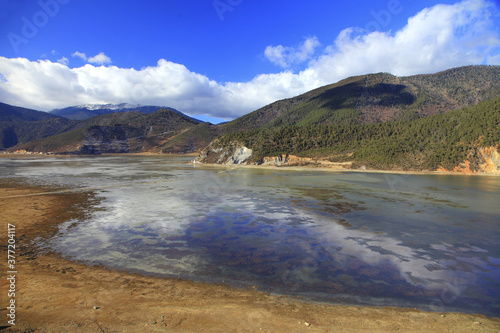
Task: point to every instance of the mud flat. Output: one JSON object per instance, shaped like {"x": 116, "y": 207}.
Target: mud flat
{"x": 56, "y": 295}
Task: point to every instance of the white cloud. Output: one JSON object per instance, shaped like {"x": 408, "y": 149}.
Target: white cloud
{"x": 99, "y": 59}
{"x": 80, "y": 55}
{"x": 494, "y": 60}
{"x": 286, "y": 56}
{"x": 437, "y": 38}
{"x": 63, "y": 61}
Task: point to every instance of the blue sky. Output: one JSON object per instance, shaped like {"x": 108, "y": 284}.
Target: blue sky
{"x": 219, "y": 59}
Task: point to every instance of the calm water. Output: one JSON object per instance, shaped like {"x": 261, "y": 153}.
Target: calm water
{"x": 420, "y": 241}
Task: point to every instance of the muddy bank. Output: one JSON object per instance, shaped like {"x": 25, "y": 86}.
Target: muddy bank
{"x": 56, "y": 295}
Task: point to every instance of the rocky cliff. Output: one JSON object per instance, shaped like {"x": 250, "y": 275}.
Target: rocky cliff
{"x": 480, "y": 160}
{"x": 237, "y": 153}
{"x": 292, "y": 160}
{"x": 234, "y": 153}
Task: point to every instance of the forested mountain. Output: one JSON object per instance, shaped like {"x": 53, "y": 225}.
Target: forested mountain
{"x": 19, "y": 125}
{"x": 377, "y": 98}
{"x": 83, "y": 112}
{"x": 443, "y": 140}
{"x": 376, "y": 121}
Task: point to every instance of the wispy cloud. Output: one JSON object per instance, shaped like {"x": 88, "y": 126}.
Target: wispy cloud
{"x": 63, "y": 61}
{"x": 437, "y": 38}
{"x": 80, "y": 55}
{"x": 100, "y": 59}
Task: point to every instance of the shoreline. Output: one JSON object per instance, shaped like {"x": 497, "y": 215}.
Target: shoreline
{"x": 58, "y": 295}
{"x": 43, "y": 155}
{"x": 337, "y": 170}
{"x": 251, "y": 166}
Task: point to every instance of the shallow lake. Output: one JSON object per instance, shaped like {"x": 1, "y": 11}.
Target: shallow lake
{"x": 425, "y": 241}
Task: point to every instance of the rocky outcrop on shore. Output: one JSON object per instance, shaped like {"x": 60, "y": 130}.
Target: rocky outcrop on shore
{"x": 234, "y": 153}
{"x": 483, "y": 160}
{"x": 237, "y": 153}
{"x": 479, "y": 160}
{"x": 292, "y": 160}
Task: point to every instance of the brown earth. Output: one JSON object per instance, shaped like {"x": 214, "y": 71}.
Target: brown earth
{"x": 56, "y": 295}
{"x": 480, "y": 160}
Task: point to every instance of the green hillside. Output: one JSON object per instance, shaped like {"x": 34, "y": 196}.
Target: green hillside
{"x": 191, "y": 140}
{"x": 421, "y": 144}
{"x": 377, "y": 98}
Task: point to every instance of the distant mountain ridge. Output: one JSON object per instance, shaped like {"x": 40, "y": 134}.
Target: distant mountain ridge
{"x": 15, "y": 113}
{"x": 86, "y": 111}
{"x": 121, "y": 132}
{"x": 108, "y": 106}
{"x": 148, "y": 128}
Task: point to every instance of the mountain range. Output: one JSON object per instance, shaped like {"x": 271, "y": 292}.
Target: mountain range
{"x": 349, "y": 105}
{"x": 83, "y": 112}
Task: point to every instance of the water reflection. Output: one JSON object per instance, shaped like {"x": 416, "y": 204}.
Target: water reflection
{"x": 419, "y": 241}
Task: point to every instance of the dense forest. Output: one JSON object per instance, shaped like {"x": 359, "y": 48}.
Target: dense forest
{"x": 426, "y": 143}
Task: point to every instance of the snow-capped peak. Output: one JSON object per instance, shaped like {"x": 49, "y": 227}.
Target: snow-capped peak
{"x": 108, "y": 106}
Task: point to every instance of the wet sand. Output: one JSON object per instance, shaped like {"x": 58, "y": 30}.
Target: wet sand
{"x": 57, "y": 295}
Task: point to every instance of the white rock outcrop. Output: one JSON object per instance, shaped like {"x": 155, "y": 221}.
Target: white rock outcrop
{"x": 234, "y": 153}
{"x": 239, "y": 156}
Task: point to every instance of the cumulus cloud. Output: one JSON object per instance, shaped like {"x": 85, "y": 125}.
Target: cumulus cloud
{"x": 45, "y": 85}
{"x": 286, "y": 56}
{"x": 435, "y": 39}
{"x": 99, "y": 59}
{"x": 80, "y": 55}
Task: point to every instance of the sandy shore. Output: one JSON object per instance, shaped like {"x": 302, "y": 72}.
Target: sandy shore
{"x": 56, "y": 295}
{"x": 336, "y": 169}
